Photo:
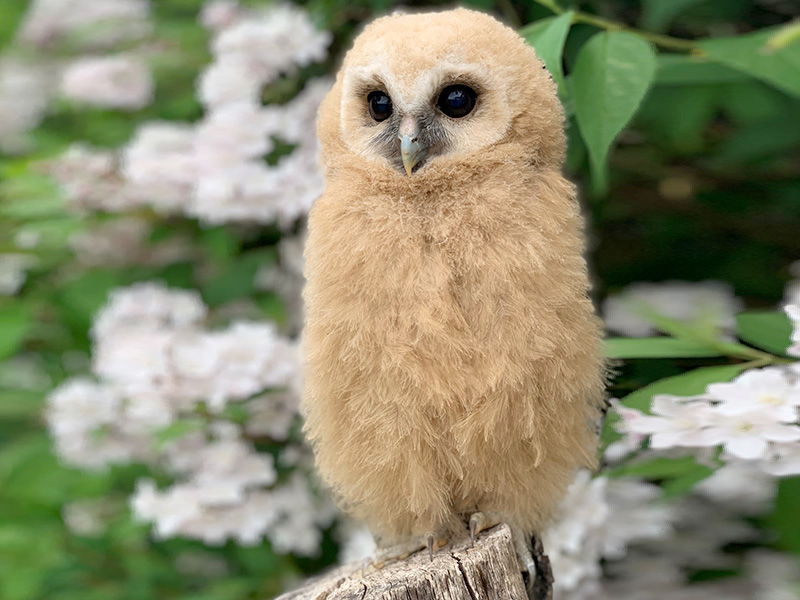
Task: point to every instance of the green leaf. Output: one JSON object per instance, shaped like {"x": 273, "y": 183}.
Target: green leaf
{"x": 17, "y": 404}
{"x": 177, "y": 430}
{"x": 612, "y": 74}
{"x": 658, "y": 347}
{"x": 547, "y": 37}
{"x": 785, "y": 36}
{"x": 685, "y": 384}
{"x": 783, "y": 519}
{"x": 683, "y": 69}
{"x": 658, "y": 14}
{"x": 15, "y": 323}
{"x": 82, "y": 297}
{"x": 551, "y": 4}
{"x": 236, "y": 279}
{"x": 653, "y": 468}
{"x": 769, "y": 330}
{"x": 750, "y": 54}
{"x": 677, "y": 475}
{"x": 684, "y": 482}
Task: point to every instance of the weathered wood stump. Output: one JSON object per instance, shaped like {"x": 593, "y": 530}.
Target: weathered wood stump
{"x": 488, "y": 571}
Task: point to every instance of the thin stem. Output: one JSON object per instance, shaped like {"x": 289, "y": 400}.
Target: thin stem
{"x": 664, "y": 41}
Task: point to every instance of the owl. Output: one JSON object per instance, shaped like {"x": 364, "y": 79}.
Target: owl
{"x": 453, "y": 362}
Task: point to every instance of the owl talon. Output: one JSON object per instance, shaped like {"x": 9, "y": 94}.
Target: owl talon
{"x": 480, "y": 521}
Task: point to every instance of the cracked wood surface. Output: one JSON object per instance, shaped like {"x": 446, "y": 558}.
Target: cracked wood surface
{"x": 489, "y": 571}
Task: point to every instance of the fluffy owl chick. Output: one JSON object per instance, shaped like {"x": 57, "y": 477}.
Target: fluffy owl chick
{"x": 453, "y": 359}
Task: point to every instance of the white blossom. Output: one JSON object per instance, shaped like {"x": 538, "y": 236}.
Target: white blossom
{"x": 219, "y": 14}
{"x": 87, "y": 517}
{"x": 96, "y": 24}
{"x": 776, "y": 576}
{"x": 124, "y": 241}
{"x": 747, "y": 435}
{"x": 677, "y": 422}
{"x": 25, "y": 93}
{"x": 90, "y": 180}
{"x": 159, "y": 163}
{"x": 355, "y": 542}
{"x": 149, "y": 305}
{"x": 767, "y": 390}
{"x": 741, "y": 486}
{"x": 793, "y": 312}
{"x": 710, "y": 302}
{"x": 599, "y": 519}
{"x": 120, "y": 81}
{"x": 14, "y": 271}
{"x": 83, "y": 418}
{"x": 782, "y": 460}
{"x": 265, "y": 45}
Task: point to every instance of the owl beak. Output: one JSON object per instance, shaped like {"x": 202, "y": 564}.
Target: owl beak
{"x": 411, "y": 150}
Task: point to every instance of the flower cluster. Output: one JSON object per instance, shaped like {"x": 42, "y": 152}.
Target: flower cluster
{"x": 125, "y": 241}
{"x": 220, "y": 169}
{"x": 122, "y": 82}
{"x": 753, "y": 418}
{"x": 33, "y": 71}
{"x": 164, "y": 388}
{"x": 619, "y": 538}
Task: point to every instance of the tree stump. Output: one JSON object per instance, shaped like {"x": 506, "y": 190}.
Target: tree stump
{"x": 488, "y": 571}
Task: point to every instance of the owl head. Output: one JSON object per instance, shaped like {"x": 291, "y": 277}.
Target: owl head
{"x": 421, "y": 96}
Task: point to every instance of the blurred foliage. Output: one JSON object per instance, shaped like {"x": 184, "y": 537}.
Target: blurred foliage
{"x": 684, "y": 136}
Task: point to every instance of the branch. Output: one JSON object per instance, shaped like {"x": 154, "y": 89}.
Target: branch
{"x": 489, "y": 571}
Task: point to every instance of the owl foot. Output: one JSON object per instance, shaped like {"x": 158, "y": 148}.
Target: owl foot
{"x": 534, "y": 564}
{"x": 432, "y": 541}
{"x": 481, "y": 521}
{"x": 435, "y": 540}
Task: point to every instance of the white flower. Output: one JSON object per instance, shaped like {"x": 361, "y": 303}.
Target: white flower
{"x": 161, "y": 164}
{"x": 25, "y": 92}
{"x": 355, "y": 542}
{"x": 230, "y": 135}
{"x": 765, "y": 390}
{"x": 219, "y": 14}
{"x": 87, "y": 517}
{"x": 82, "y": 417}
{"x": 777, "y": 576}
{"x": 747, "y": 435}
{"x": 277, "y": 41}
{"x": 793, "y": 312}
{"x": 228, "y": 81}
{"x": 782, "y": 460}
{"x": 636, "y": 515}
{"x": 272, "y": 415}
{"x": 13, "y": 272}
{"x": 124, "y": 241}
{"x": 711, "y": 302}
{"x": 95, "y": 23}
{"x": 740, "y": 486}
{"x": 121, "y": 81}
{"x": 148, "y": 305}
{"x": 678, "y": 422}
{"x": 90, "y": 180}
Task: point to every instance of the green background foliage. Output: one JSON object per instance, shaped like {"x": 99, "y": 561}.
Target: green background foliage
{"x": 686, "y": 145}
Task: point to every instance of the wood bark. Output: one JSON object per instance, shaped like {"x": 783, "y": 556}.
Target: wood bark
{"x": 459, "y": 571}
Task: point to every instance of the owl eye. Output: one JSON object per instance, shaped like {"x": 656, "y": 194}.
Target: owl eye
{"x": 457, "y": 101}
{"x": 380, "y": 105}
